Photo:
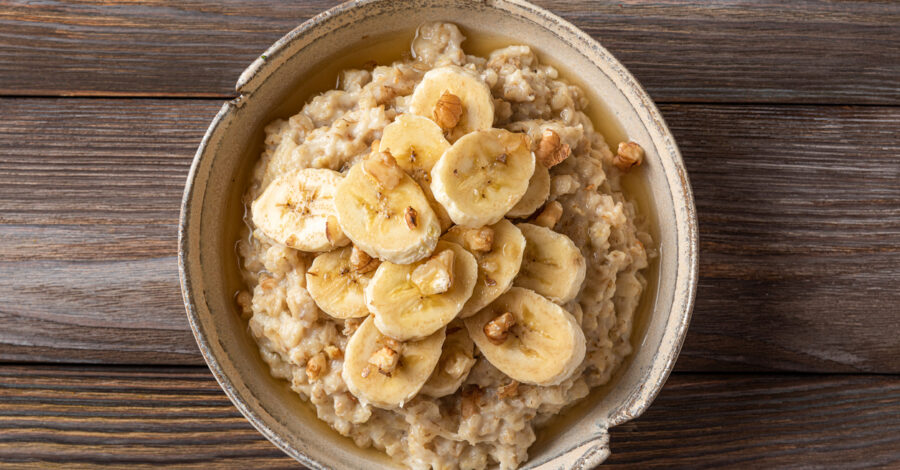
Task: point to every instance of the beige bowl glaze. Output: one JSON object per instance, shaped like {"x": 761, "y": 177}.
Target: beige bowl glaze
{"x": 268, "y": 403}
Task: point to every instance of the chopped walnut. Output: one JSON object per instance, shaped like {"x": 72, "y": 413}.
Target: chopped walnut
{"x": 386, "y": 360}
{"x": 350, "y": 326}
{"x": 550, "y": 215}
{"x": 383, "y": 167}
{"x": 245, "y": 301}
{"x": 361, "y": 262}
{"x": 447, "y": 111}
{"x": 333, "y": 231}
{"x": 315, "y": 367}
{"x": 508, "y": 391}
{"x": 412, "y": 218}
{"x": 479, "y": 239}
{"x": 497, "y": 330}
{"x": 629, "y": 154}
{"x": 551, "y": 151}
{"x": 470, "y": 400}
{"x": 434, "y": 276}
{"x": 333, "y": 352}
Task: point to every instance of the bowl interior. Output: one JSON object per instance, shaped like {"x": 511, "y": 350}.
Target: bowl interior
{"x": 306, "y": 61}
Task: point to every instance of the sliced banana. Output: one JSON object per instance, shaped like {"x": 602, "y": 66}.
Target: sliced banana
{"x": 535, "y": 196}
{"x": 391, "y": 221}
{"x": 552, "y": 265}
{"x": 297, "y": 210}
{"x": 457, "y": 359}
{"x": 528, "y": 338}
{"x": 404, "y": 310}
{"x": 338, "y": 288}
{"x": 417, "y": 143}
{"x": 482, "y": 176}
{"x": 387, "y": 373}
{"x": 474, "y": 108}
{"x": 497, "y": 266}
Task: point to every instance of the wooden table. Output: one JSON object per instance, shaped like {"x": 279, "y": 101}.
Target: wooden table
{"x": 787, "y": 115}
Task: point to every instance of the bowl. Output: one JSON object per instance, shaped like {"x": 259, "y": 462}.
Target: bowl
{"x": 207, "y": 262}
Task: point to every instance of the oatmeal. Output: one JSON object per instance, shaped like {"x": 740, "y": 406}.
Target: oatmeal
{"x": 438, "y": 254}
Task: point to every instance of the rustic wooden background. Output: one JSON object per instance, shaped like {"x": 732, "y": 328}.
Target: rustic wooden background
{"x": 788, "y": 116}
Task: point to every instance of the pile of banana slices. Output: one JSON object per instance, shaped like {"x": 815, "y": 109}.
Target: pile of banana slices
{"x": 417, "y": 239}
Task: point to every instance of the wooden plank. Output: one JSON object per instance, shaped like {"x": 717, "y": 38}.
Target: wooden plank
{"x": 799, "y": 210}
{"x": 808, "y": 51}
{"x": 88, "y": 416}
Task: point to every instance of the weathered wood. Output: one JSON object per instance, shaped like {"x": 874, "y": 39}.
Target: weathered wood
{"x": 809, "y": 51}
{"x": 139, "y": 417}
{"x": 799, "y": 210}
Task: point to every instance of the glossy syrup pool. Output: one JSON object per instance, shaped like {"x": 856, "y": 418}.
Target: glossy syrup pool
{"x": 385, "y": 50}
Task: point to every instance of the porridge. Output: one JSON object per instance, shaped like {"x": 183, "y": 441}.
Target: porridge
{"x": 438, "y": 255}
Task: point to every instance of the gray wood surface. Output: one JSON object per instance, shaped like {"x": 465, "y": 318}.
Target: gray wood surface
{"x": 722, "y": 50}
{"x": 799, "y": 213}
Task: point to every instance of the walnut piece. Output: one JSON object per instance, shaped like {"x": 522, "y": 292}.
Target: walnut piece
{"x": 385, "y": 359}
{"x": 470, "y": 400}
{"x": 550, "y": 215}
{"x": 628, "y": 155}
{"x": 447, "y": 111}
{"x": 412, "y": 218}
{"x": 479, "y": 239}
{"x": 333, "y": 352}
{"x": 508, "y": 391}
{"x": 497, "y": 330}
{"x": 551, "y": 151}
{"x": 350, "y": 326}
{"x": 315, "y": 367}
{"x": 361, "y": 262}
{"x": 383, "y": 167}
{"x": 434, "y": 276}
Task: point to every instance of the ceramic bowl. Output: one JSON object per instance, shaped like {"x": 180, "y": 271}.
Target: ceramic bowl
{"x": 231, "y": 144}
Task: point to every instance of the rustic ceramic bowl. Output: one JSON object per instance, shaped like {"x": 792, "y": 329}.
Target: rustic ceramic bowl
{"x": 206, "y": 262}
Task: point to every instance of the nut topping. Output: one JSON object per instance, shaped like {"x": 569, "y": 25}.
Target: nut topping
{"x": 629, "y": 154}
{"x": 497, "y": 330}
{"x": 471, "y": 400}
{"x": 447, "y": 111}
{"x": 551, "y": 151}
{"x": 508, "y": 391}
{"x": 479, "y": 239}
{"x": 383, "y": 167}
{"x": 385, "y": 359}
{"x": 434, "y": 276}
{"x": 315, "y": 367}
{"x": 550, "y": 215}
{"x": 412, "y": 218}
{"x": 361, "y": 262}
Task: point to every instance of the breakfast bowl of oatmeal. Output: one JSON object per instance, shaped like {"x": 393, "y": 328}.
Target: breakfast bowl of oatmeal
{"x": 438, "y": 235}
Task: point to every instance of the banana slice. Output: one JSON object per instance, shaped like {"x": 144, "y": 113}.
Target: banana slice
{"x": 297, "y": 210}
{"x": 535, "y": 196}
{"x": 552, "y": 265}
{"x": 528, "y": 338}
{"x": 456, "y": 99}
{"x": 482, "y": 176}
{"x": 457, "y": 359}
{"x": 388, "y": 218}
{"x": 498, "y": 261}
{"x": 337, "y": 287}
{"x": 417, "y": 143}
{"x": 412, "y": 301}
{"x": 387, "y": 373}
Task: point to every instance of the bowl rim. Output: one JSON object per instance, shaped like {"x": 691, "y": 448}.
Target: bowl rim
{"x": 682, "y": 197}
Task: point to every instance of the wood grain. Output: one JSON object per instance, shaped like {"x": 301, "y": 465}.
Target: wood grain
{"x": 799, "y": 210}
{"x": 89, "y": 416}
{"x": 808, "y": 51}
